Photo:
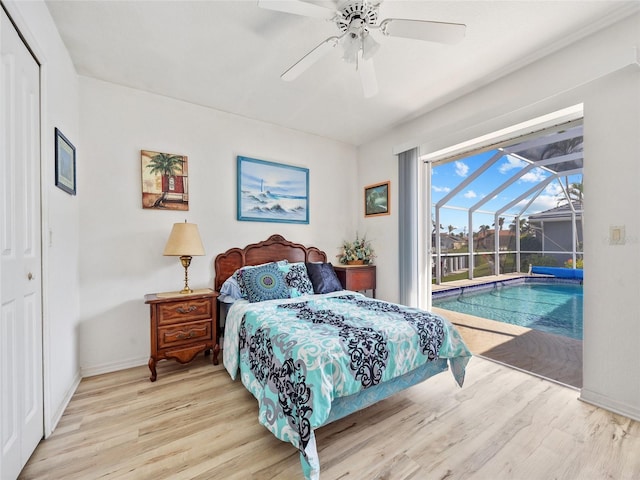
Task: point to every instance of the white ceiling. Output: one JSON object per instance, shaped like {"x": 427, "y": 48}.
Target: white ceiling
{"x": 229, "y": 55}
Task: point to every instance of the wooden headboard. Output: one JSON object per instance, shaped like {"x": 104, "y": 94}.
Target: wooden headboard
{"x": 272, "y": 249}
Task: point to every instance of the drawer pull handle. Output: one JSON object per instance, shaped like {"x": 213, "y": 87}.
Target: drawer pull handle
{"x": 188, "y": 310}
{"x": 182, "y": 336}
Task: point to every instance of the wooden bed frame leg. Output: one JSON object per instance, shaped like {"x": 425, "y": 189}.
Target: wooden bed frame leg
{"x": 216, "y": 352}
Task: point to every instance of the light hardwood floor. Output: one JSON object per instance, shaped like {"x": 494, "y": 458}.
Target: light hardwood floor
{"x": 195, "y": 423}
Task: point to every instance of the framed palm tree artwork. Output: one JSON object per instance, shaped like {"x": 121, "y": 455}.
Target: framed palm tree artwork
{"x": 165, "y": 181}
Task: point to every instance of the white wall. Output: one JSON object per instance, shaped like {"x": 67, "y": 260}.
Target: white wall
{"x": 104, "y": 253}
{"x": 59, "y": 85}
{"x": 121, "y": 244}
{"x": 586, "y": 72}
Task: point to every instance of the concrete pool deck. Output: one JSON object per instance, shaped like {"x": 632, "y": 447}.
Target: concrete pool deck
{"x": 554, "y": 357}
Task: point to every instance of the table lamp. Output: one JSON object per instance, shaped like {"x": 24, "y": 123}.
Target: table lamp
{"x": 184, "y": 242}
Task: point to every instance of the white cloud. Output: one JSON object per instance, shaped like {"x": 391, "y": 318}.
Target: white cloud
{"x": 462, "y": 169}
{"x": 542, "y": 203}
{"x": 534, "y": 176}
{"x": 553, "y": 189}
{"x": 441, "y": 189}
{"x": 511, "y": 163}
{"x": 470, "y": 194}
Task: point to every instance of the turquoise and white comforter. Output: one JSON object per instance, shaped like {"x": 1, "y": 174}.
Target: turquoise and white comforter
{"x": 297, "y": 355}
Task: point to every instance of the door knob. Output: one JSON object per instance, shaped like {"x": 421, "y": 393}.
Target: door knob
{"x": 30, "y": 276}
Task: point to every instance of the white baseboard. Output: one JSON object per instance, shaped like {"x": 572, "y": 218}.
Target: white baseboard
{"x": 57, "y": 415}
{"x": 91, "y": 371}
{"x": 607, "y": 403}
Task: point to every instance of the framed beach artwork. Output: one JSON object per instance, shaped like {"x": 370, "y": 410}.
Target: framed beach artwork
{"x": 272, "y": 192}
{"x": 376, "y": 200}
{"x": 165, "y": 181}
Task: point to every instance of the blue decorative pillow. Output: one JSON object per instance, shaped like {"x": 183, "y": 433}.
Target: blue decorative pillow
{"x": 323, "y": 278}
{"x": 230, "y": 290}
{"x": 297, "y": 279}
{"x": 264, "y": 283}
{"x": 238, "y": 275}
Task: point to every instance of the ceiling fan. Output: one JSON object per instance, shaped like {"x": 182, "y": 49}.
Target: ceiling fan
{"x": 356, "y": 20}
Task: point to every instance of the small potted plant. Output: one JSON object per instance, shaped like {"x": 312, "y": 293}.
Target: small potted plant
{"x": 358, "y": 252}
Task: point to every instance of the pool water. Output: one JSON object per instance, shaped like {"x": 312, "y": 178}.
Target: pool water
{"x": 552, "y": 308}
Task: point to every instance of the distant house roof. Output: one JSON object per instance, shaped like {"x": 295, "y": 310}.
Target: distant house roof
{"x": 491, "y": 233}
{"x": 562, "y": 212}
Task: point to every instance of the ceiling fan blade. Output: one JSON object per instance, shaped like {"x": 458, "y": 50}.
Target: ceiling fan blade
{"x": 424, "y": 30}
{"x": 298, "y": 7}
{"x": 367, "y": 76}
{"x": 310, "y": 58}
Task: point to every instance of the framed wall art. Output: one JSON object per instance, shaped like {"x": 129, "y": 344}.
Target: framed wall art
{"x": 272, "y": 192}
{"x": 376, "y": 200}
{"x": 65, "y": 163}
{"x": 165, "y": 181}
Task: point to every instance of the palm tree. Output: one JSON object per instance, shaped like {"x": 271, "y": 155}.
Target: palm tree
{"x": 524, "y": 227}
{"x": 167, "y": 165}
{"x": 564, "y": 147}
{"x": 482, "y": 235}
{"x": 433, "y": 224}
{"x": 575, "y": 192}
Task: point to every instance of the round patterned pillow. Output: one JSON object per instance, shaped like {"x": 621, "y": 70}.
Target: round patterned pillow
{"x": 265, "y": 282}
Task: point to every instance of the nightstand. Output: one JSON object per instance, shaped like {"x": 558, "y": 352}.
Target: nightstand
{"x": 357, "y": 277}
{"x": 182, "y": 325}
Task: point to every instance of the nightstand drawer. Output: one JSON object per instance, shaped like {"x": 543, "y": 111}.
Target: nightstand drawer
{"x": 184, "y": 311}
{"x": 184, "y": 334}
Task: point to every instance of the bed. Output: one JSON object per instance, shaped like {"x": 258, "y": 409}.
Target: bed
{"x": 311, "y": 352}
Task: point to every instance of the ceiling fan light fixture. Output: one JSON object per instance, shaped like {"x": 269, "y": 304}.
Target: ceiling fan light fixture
{"x": 355, "y": 20}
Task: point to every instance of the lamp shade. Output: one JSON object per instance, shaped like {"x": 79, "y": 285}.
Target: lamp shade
{"x": 184, "y": 240}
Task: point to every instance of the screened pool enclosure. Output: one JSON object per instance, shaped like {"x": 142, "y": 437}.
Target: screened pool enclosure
{"x": 502, "y": 209}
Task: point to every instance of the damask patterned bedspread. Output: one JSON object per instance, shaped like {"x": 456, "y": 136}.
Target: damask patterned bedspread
{"x": 297, "y": 355}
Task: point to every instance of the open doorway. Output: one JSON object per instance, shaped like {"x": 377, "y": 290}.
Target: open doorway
{"x": 498, "y": 211}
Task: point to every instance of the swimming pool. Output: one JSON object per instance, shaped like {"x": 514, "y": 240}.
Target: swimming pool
{"x": 553, "y": 307}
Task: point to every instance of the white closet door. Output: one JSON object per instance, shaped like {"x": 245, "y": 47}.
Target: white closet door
{"x": 21, "y": 398}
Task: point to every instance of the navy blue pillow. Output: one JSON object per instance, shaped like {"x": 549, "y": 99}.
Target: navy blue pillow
{"x": 323, "y": 278}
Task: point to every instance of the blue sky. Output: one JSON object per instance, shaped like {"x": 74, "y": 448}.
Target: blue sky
{"x": 446, "y": 177}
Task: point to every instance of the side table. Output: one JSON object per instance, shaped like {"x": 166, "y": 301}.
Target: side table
{"x": 182, "y": 325}
{"x": 357, "y": 277}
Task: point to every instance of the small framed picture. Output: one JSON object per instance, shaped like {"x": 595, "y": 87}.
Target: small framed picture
{"x": 65, "y": 164}
{"x": 376, "y": 200}
{"x": 165, "y": 181}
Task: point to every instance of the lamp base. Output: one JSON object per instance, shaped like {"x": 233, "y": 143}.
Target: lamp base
{"x": 186, "y": 261}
